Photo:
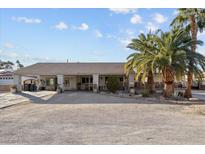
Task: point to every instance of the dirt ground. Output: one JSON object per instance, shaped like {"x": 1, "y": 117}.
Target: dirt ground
{"x": 87, "y": 118}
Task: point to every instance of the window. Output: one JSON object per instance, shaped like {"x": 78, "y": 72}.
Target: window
{"x": 121, "y": 79}
{"x": 83, "y": 80}
{"x": 91, "y": 80}
{"x": 106, "y": 78}
{"x": 67, "y": 82}
{"x": 86, "y": 80}
{"x": 50, "y": 82}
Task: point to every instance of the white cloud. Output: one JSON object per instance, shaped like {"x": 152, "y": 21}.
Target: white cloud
{"x": 141, "y": 31}
{"x": 8, "y": 54}
{"x": 122, "y": 10}
{"x": 175, "y": 12}
{"x": 136, "y": 19}
{"x": 83, "y": 26}
{"x": 8, "y": 45}
{"x": 126, "y": 41}
{"x": 24, "y": 58}
{"x": 98, "y": 34}
{"x": 61, "y": 26}
{"x": 27, "y": 20}
{"x": 159, "y": 18}
{"x": 151, "y": 27}
{"x": 130, "y": 32}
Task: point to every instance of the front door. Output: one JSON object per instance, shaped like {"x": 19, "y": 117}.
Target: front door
{"x": 70, "y": 83}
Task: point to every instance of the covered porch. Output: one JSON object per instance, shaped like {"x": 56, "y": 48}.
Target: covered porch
{"x": 94, "y": 82}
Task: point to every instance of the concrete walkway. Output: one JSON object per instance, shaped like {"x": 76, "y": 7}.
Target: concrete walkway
{"x": 9, "y": 99}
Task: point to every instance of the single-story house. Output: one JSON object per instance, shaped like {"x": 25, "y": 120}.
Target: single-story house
{"x": 76, "y": 76}
{"x": 73, "y": 76}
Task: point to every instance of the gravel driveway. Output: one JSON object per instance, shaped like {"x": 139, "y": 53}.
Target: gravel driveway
{"x": 87, "y": 118}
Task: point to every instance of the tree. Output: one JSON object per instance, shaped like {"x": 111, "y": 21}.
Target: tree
{"x": 144, "y": 46}
{"x": 193, "y": 20}
{"x": 174, "y": 56}
{"x": 19, "y": 65}
{"x": 113, "y": 84}
{"x": 170, "y": 54}
{"x": 6, "y": 65}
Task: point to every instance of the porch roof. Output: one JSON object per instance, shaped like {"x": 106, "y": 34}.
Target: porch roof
{"x": 72, "y": 69}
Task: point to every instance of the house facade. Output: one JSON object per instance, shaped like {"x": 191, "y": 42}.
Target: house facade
{"x": 72, "y": 76}
{"x": 78, "y": 76}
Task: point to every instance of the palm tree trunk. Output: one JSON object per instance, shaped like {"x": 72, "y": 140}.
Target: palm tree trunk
{"x": 150, "y": 82}
{"x": 168, "y": 76}
{"x": 188, "y": 93}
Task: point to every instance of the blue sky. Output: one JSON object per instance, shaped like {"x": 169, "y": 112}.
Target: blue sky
{"x": 79, "y": 35}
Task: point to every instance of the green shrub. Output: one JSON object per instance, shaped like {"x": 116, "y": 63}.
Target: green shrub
{"x": 113, "y": 84}
{"x": 145, "y": 93}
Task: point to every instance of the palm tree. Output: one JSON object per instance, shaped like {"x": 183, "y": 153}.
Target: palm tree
{"x": 143, "y": 44}
{"x": 170, "y": 54}
{"x": 174, "y": 56}
{"x": 193, "y": 20}
{"x": 19, "y": 65}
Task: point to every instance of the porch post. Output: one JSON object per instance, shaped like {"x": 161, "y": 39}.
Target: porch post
{"x": 131, "y": 83}
{"x": 60, "y": 81}
{"x": 39, "y": 82}
{"x": 17, "y": 82}
{"x": 95, "y": 82}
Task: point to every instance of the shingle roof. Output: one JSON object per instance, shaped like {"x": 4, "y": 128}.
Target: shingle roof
{"x": 72, "y": 69}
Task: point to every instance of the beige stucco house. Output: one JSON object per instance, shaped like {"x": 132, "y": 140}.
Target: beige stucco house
{"x": 73, "y": 76}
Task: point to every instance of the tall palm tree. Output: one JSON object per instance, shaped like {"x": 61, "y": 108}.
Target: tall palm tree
{"x": 194, "y": 21}
{"x": 174, "y": 56}
{"x": 170, "y": 53}
{"x": 142, "y": 45}
{"x": 19, "y": 65}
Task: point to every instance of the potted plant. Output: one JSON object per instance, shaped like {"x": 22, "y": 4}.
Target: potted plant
{"x": 13, "y": 89}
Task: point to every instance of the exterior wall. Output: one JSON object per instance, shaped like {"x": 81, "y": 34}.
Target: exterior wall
{"x": 95, "y": 82}
{"x": 131, "y": 83}
{"x": 17, "y": 82}
{"x": 60, "y": 81}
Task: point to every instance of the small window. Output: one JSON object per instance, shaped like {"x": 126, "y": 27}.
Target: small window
{"x": 91, "y": 80}
{"x": 106, "y": 78}
{"x": 51, "y": 82}
{"x": 83, "y": 80}
{"x": 86, "y": 80}
{"x": 67, "y": 82}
